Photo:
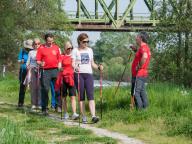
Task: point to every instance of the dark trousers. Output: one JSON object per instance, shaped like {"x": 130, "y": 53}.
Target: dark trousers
{"x": 140, "y": 93}
{"x": 46, "y": 77}
{"x": 86, "y": 85}
{"x": 22, "y": 88}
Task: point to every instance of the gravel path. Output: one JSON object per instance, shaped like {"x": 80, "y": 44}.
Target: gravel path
{"x": 122, "y": 139}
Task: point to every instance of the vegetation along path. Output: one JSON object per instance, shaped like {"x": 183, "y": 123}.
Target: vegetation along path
{"x": 123, "y": 139}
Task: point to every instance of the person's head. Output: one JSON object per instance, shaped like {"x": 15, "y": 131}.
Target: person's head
{"x": 49, "y": 39}
{"x": 28, "y": 44}
{"x": 83, "y": 40}
{"x": 142, "y": 37}
{"x": 36, "y": 43}
{"x": 68, "y": 47}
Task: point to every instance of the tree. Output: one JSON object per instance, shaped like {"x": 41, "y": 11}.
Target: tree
{"x": 175, "y": 31}
{"x": 112, "y": 49}
{"x": 21, "y": 19}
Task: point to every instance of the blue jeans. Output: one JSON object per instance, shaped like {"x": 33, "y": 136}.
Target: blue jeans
{"x": 140, "y": 93}
{"x": 53, "y": 98}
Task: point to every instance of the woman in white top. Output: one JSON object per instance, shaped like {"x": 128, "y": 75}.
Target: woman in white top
{"x": 35, "y": 83}
{"x": 83, "y": 62}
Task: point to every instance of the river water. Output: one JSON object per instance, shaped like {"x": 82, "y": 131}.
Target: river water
{"x": 106, "y": 83}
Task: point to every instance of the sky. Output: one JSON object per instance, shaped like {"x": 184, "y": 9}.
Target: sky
{"x": 70, "y": 7}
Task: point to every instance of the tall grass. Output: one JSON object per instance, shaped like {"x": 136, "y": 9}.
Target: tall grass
{"x": 13, "y": 134}
{"x": 169, "y": 102}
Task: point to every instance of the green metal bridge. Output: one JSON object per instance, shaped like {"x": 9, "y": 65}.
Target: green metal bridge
{"x": 82, "y": 19}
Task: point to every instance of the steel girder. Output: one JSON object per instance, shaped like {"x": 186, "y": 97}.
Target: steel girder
{"x": 112, "y": 20}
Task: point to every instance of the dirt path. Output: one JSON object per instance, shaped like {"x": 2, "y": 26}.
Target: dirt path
{"x": 122, "y": 139}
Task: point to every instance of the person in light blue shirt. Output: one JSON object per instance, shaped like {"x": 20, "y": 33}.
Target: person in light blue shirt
{"x": 22, "y": 59}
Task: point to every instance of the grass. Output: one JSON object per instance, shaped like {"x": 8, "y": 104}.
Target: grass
{"x": 168, "y": 119}
{"x": 21, "y": 126}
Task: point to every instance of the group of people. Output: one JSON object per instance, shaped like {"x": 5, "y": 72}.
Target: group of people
{"x": 71, "y": 71}
{"x": 44, "y": 64}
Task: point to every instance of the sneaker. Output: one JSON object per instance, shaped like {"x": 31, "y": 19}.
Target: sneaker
{"x": 45, "y": 112}
{"x": 53, "y": 108}
{"x": 59, "y": 109}
{"x": 95, "y": 119}
{"x": 75, "y": 116}
{"x": 84, "y": 120}
{"x": 33, "y": 108}
{"x": 66, "y": 116}
{"x": 39, "y": 107}
{"x": 20, "y": 105}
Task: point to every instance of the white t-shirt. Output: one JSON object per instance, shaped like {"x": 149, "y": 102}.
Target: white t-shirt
{"x": 83, "y": 58}
{"x": 31, "y": 61}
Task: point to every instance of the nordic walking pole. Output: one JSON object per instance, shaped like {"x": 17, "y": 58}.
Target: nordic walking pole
{"x": 61, "y": 95}
{"x": 79, "y": 97}
{"x": 79, "y": 94}
{"x": 101, "y": 95}
{"x": 132, "y": 102}
{"x": 122, "y": 75}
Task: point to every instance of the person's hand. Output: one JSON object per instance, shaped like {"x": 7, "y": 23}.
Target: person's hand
{"x": 60, "y": 67}
{"x": 77, "y": 68}
{"x": 100, "y": 67}
{"x": 133, "y": 47}
{"x": 42, "y": 64}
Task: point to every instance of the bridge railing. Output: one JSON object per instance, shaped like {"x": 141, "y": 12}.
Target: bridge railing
{"x": 136, "y": 17}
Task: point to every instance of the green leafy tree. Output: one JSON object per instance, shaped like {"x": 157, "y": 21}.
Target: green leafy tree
{"x": 22, "y": 19}
{"x": 174, "y": 36}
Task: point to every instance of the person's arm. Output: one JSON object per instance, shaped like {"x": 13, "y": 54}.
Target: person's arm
{"x": 95, "y": 66}
{"x": 28, "y": 60}
{"x": 39, "y": 58}
{"x": 143, "y": 59}
{"x": 20, "y": 57}
{"x": 59, "y": 59}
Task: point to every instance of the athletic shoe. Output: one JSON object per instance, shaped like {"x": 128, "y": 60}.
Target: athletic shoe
{"x": 45, "y": 112}
{"x": 53, "y": 108}
{"x": 59, "y": 109}
{"x": 33, "y": 108}
{"x": 84, "y": 120}
{"x": 95, "y": 119}
{"x": 39, "y": 107}
{"x": 20, "y": 105}
{"x": 66, "y": 116}
{"x": 75, "y": 116}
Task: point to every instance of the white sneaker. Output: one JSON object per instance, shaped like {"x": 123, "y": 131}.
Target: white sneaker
{"x": 33, "y": 107}
{"x": 66, "y": 116}
{"x": 75, "y": 116}
{"x": 84, "y": 120}
{"x": 58, "y": 109}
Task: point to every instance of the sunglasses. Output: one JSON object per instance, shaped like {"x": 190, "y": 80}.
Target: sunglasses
{"x": 70, "y": 48}
{"x": 36, "y": 43}
{"x": 85, "y": 42}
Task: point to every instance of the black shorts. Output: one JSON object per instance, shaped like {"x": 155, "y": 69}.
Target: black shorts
{"x": 68, "y": 90}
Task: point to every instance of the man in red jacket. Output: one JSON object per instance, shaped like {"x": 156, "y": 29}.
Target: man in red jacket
{"x": 49, "y": 58}
{"x": 140, "y": 70}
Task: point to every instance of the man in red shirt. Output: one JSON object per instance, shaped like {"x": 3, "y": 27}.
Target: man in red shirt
{"x": 49, "y": 58}
{"x": 140, "y": 71}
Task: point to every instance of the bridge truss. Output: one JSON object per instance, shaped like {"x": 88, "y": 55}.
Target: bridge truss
{"x": 82, "y": 19}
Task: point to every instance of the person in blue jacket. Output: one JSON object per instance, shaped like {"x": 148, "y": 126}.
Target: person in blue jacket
{"x": 22, "y": 59}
